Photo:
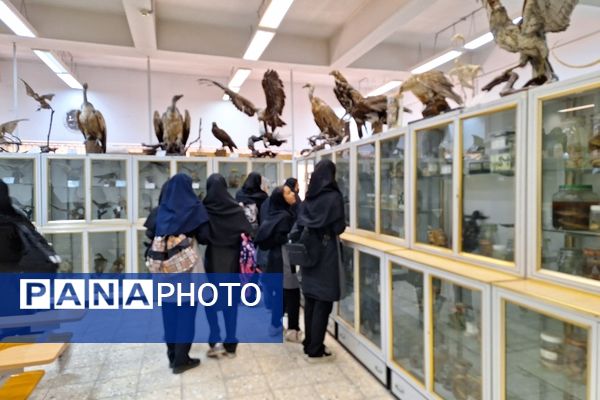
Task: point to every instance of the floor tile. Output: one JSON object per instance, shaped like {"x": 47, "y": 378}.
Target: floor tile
{"x": 295, "y": 393}
{"x": 246, "y": 385}
{"x": 335, "y": 391}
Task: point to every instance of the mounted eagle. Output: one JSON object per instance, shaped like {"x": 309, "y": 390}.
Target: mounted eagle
{"x": 172, "y": 129}
{"x": 332, "y": 128}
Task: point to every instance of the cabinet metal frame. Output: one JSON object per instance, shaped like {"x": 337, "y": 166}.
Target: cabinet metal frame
{"x": 129, "y": 178}
{"x": 126, "y": 230}
{"x": 37, "y": 182}
{"x": 373, "y": 140}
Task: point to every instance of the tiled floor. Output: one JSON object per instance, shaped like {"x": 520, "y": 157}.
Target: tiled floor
{"x": 261, "y": 372}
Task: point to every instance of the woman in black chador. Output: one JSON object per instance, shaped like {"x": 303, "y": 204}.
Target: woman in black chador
{"x": 227, "y": 222}
{"x": 322, "y": 213}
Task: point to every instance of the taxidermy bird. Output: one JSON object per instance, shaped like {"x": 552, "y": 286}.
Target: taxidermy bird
{"x": 108, "y": 178}
{"x": 332, "y": 127}
{"x": 223, "y": 137}
{"x": 9, "y": 127}
{"x": 274, "y": 96}
{"x": 6, "y": 135}
{"x": 528, "y": 37}
{"x": 432, "y": 88}
{"x": 91, "y": 124}
{"x": 100, "y": 263}
{"x": 118, "y": 265}
{"x": 43, "y": 103}
{"x": 465, "y": 75}
{"x": 172, "y": 129}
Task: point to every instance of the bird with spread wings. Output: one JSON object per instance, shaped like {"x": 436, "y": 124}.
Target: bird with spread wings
{"x": 432, "y": 88}
{"x": 528, "y": 37}
{"x": 332, "y": 128}
{"x": 43, "y": 101}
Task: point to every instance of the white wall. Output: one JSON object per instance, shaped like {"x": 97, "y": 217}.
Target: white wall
{"x": 121, "y": 95}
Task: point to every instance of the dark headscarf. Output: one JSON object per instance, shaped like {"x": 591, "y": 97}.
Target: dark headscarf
{"x": 291, "y": 183}
{"x": 180, "y": 210}
{"x": 251, "y": 192}
{"x": 277, "y": 219}
{"x": 226, "y": 217}
{"x": 323, "y": 204}
{"x": 6, "y": 207}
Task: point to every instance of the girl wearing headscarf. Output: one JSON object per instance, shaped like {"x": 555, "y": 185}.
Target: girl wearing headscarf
{"x": 179, "y": 212}
{"x": 278, "y": 221}
{"x": 227, "y": 222}
{"x": 322, "y": 213}
{"x": 252, "y": 193}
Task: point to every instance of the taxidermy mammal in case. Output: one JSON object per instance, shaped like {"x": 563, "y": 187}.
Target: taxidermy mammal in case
{"x": 92, "y": 126}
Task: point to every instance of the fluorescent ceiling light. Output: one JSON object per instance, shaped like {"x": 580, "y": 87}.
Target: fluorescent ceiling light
{"x": 51, "y": 61}
{"x": 385, "y": 88}
{"x": 566, "y": 110}
{"x": 11, "y": 17}
{"x": 436, "y": 62}
{"x": 239, "y": 78}
{"x": 480, "y": 41}
{"x": 274, "y": 13}
{"x": 259, "y": 43}
{"x": 70, "y": 80}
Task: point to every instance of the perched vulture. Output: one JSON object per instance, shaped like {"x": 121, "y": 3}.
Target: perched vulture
{"x": 274, "y": 95}
{"x": 43, "y": 100}
{"x": 223, "y": 137}
{"x": 331, "y": 126}
{"x": 91, "y": 124}
{"x": 172, "y": 129}
{"x": 528, "y": 37}
{"x": 432, "y": 88}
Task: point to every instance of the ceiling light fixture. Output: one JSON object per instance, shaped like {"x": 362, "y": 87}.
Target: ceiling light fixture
{"x": 391, "y": 85}
{"x": 258, "y": 44}
{"x": 70, "y": 80}
{"x": 274, "y": 13}
{"x": 51, "y": 61}
{"x": 579, "y": 108}
{"x": 12, "y": 18}
{"x": 436, "y": 62}
{"x": 486, "y": 38}
{"x": 238, "y": 79}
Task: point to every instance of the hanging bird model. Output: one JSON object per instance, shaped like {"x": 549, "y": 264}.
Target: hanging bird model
{"x": 528, "y": 37}
{"x": 6, "y": 134}
{"x": 331, "y": 126}
{"x": 223, "y": 137}
{"x": 9, "y": 127}
{"x": 432, "y": 88}
{"x": 172, "y": 129}
{"x": 43, "y": 104}
{"x": 92, "y": 126}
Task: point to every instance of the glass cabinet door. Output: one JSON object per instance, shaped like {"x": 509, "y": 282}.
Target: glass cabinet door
{"x": 342, "y": 176}
{"x": 19, "y": 176}
{"x": 365, "y": 193}
{"x": 287, "y": 170}
{"x": 142, "y": 242}
{"x": 66, "y": 189}
{"x": 327, "y": 156}
{"x": 235, "y": 174}
{"x": 391, "y": 199}
{"x": 488, "y": 184}
{"x": 570, "y": 195}
{"x": 433, "y": 220}
{"x": 546, "y": 358}
{"x": 270, "y": 173}
{"x": 152, "y": 176}
{"x": 346, "y": 305}
{"x": 408, "y": 347}
{"x": 369, "y": 289}
{"x": 109, "y": 189}
{"x": 457, "y": 345}
{"x": 107, "y": 252}
{"x": 69, "y": 247}
{"x": 198, "y": 171}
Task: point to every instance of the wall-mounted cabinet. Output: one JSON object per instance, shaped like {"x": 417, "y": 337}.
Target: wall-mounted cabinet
{"x": 110, "y": 183}
{"x": 151, "y": 174}
{"x": 366, "y": 196}
{"x": 69, "y": 245}
{"x": 392, "y": 204}
{"x": 66, "y": 189}
{"x": 108, "y": 251}
{"x": 198, "y": 171}
{"x": 21, "y": 175}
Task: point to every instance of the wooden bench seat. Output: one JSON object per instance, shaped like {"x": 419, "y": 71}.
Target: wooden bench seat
{"x": 20, "y": 386}
{"x": 30, "y": 354}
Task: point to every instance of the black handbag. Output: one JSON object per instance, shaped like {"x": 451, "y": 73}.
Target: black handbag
{"x": 307, "y": 251}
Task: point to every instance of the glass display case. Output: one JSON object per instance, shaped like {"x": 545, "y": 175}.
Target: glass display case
{"x": 546, "y": 358}
{"x": 408, "y": 343}
{"x": 391, "y": 197}
{"x": 109, "y": 189}
{"x": 19, "y": 174}
{"x": 569, "y": 191}
{"x": 66, "y": 189}
{"x": 347, "y": 305}
{"x": 457, "y": 341}
{"x": 69, "y": 246}
{"x": 433, "y": 185}
{"x": 488, "y": 184}
{"x": 369, "y": 294}
{"x": 365, "y": 187}
{"x": 270, "y": 173}
{"x": 287, "y": 170}
{"x": 198, "y": 171}
{"x": 235, "y": 173}
{"x": 107, "y": 252}
{"x": 152, "y": 175}
{"x": 326, "y": 156}
{"x": 342, "y": 163}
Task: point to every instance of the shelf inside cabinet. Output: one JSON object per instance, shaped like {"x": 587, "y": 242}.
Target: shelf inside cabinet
{"x": 570, "y": 232}
{"x": 371, "y": 243}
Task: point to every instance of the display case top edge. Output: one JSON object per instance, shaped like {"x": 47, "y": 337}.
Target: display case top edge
{"x": 566, "y": 87}
{"x": 369, "y": 242}
{"x": 508, "y": 103}
{"x": 454, "y": 267}
{"x": 545, "y": 292}
{"x": 20, "y": 155}
{"x": 432, "y": 122}
{"x": 49, "y": 229}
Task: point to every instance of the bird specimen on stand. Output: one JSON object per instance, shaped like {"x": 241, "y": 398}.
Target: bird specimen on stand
{"x": 432, "y": 88}
{"x": 44, "y": 104}
{"x": 463, "y": 74}
{"x": 91, "y": 124}
{"x": 100, "y": 263}
{"x": 118, "y": 265}
{"x": 223, "y": 137}
{"x": 171, "y": 129}
{"x": 270, "y": 116}
{"x": 528, "y": 38}
{"x": 7, "y": 137}
{"x": 333, "y": 130}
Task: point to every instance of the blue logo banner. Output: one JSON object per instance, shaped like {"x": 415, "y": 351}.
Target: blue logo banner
{"x": 141, "y": 308}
